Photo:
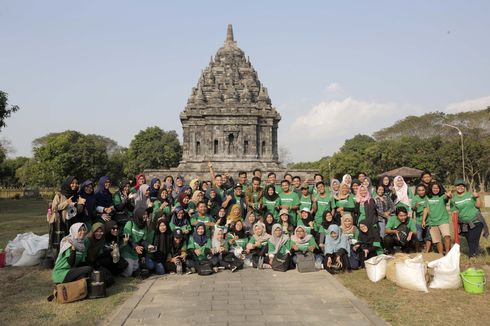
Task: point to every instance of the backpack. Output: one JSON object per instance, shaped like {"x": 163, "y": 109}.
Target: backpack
{"x": 69, "y": 292}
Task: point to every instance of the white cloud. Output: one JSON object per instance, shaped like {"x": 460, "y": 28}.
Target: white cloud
{"x": 333, "y": 88}
{"x": 324, "y": 128}
{"x": 468, "y": 105}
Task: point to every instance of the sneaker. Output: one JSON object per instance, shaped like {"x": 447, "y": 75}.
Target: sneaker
{"x": 266, "y": 266}
{"x": 188, "y": 271}
{"x": 234, "y": 269}
{"x": 215, "y": 269}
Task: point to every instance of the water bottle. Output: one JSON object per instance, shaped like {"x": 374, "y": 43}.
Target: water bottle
{"x": 115, "y": 253}
{"x": 178, "y": 264}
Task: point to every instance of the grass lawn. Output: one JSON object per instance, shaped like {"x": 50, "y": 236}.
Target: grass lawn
{"x": 24, "y": 289}
{"x": 438, "y": 307}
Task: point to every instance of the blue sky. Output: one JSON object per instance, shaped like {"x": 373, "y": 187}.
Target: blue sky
{"x": 333, "y": 68}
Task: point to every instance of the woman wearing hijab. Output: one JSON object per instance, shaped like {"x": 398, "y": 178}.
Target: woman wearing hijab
{"x": 269, "y": 222}
{"x": 72, "y": 254}
{"x": 123, "y": 205}
{"x": 142, "y": 199}
{"x": 367, "y": 246}
{"x": 385, "y": 182}
{"x": 140, "y": 180}
{"x": 103, "y": 200}
{"x": 96, "y": 255}
{"x": 271, "y": 201}
{"x": 328, "y": 219}
{"x": 347, "y": 179}
{"x": 162, "y": 206}
{"x": 337, "y": 251}
{"x": 113, "y": 243}
{"x": 89, "y": 208}
{"x": 237, "y": 239}
{"x": 234, "y": 215}
{"x": 183, "y": 202}
{"x": 367, "y": 208}
{"x": 135, "y": 243}
{"x": 306, "y": 220}
{"x": 401, "y": 194}
{"x": 335, "y": 187}
{"x": 162, "y": 242}
{"x": 197, "y": 196}
{"x": 177, "y": 257}
{"x": 199, "y": 247}
{"x": 180, "y": 220}
{"x": 303, "y": 243}
{"x": 346, "y": 202}
{"x": 213, "y": 202}
{"x": 220, "y": 251}
{"x": 64, "y": 201}
{"x": 257, "y": 245}
{"x": 249, "y": 222}
{"x": 155, "y": 186}
{"x": 279, "y": 244}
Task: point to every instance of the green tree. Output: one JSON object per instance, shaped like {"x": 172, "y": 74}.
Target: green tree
{"x": 8, "y": 170}
{"x": 68, "y": 153}
{"x": 6, "y": 110}
{"x": 153, "y": 148}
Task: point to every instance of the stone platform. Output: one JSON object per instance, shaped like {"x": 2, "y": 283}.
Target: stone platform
{"x": 248, "y": 297}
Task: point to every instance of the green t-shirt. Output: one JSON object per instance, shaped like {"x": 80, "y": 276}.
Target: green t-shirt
{"x": 271, "y": 206}
{"x": 306, "y": 226}
{"x": 349, "y": 202}
{"x": 61, "y": 267}
{"x": 290, "y": 200}
{"x": 240, "y": 242}
{"x": 394, "y": 222}
{"x": 322, "y": 204}
{"x": 304, "y": 247}
{"x": 204, "y": 219}
{"x": 419, "y": 210}
{"x": 186, "y": 227}
{"x": 157, "y": 212}
{"x": 304, "y": 202}
{"x": 284, "y": 249}
{"x": 135, "y": 235}
{"x": 193, "y": 245}
{"x": 465, "y": 206}
{"x": 253, "y": 240}
{"x": 437, "y": 210}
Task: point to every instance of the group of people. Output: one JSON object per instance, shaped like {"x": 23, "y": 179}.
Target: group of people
{"x": 171, "y": 226}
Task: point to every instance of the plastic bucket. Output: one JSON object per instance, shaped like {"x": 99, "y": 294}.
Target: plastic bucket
{"x": 473, "y": 280}
{"x": 2, "y": 258}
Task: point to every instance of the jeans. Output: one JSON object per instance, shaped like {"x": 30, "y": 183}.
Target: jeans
{"x": 473, "y": 238}
{"x": 152, "y": 265}
{"x": 382, "y": 227}
{"x": 421, "y": 232}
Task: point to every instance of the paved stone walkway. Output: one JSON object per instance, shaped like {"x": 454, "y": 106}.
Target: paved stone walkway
{"x": 248, "y": 297}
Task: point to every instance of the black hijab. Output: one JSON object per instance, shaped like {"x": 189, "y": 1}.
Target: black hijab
{"x": 163, "y": 240}
{"x": 239, "y": 233}
{"x": 103, "y": 196}
{"x": 109, "y": 238}
{"x": 326, "y": 223}
{"x": 66, "y": 188}
{"x": 200, "y": 239}
{"x": 372, "y": 235}
{"x": 266, "y": 193}
{"x": 268, "y": 226}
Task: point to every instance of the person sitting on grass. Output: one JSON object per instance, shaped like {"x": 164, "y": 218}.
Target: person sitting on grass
{"x": 134, "y": 248}
{"x": 400, "y": 231}
{"x": 368, "y": 245}
{"x": 111, "y": 258}
{"x": 337, "y": 251}
{"x": 96, "y": 254}
{"x": 68, "y": 266}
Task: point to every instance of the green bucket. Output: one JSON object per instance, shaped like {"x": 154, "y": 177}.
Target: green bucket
{"x": 473, "y": 280}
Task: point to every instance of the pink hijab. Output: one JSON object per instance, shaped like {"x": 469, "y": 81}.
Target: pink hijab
{"x": 362, "y": 200}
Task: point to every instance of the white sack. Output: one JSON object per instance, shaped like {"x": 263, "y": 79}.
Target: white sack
{"x": 376, "y": 267}
{"x": 26, "y": 249}
{"x": 446, "y": 270}
{"x": 410, "y": 274}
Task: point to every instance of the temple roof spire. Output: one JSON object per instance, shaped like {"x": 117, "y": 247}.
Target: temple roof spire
{"x": 230, "y": 40}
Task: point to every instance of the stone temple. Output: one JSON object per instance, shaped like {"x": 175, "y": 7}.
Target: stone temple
{"x": 229, "y": 119}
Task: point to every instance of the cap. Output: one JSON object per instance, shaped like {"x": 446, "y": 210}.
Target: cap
{"x": 237, "y": 185}
{"x": 305, "y": 209}
{"x": 178, "y": 234}
{"x": 284, "y": 211}
{"x": 459, "y": 182}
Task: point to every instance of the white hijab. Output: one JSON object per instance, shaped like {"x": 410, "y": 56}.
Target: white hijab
{"x": 401, "y": 192}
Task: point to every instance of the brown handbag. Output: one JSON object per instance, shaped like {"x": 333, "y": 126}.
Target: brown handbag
{"x": 70, "y": 292}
